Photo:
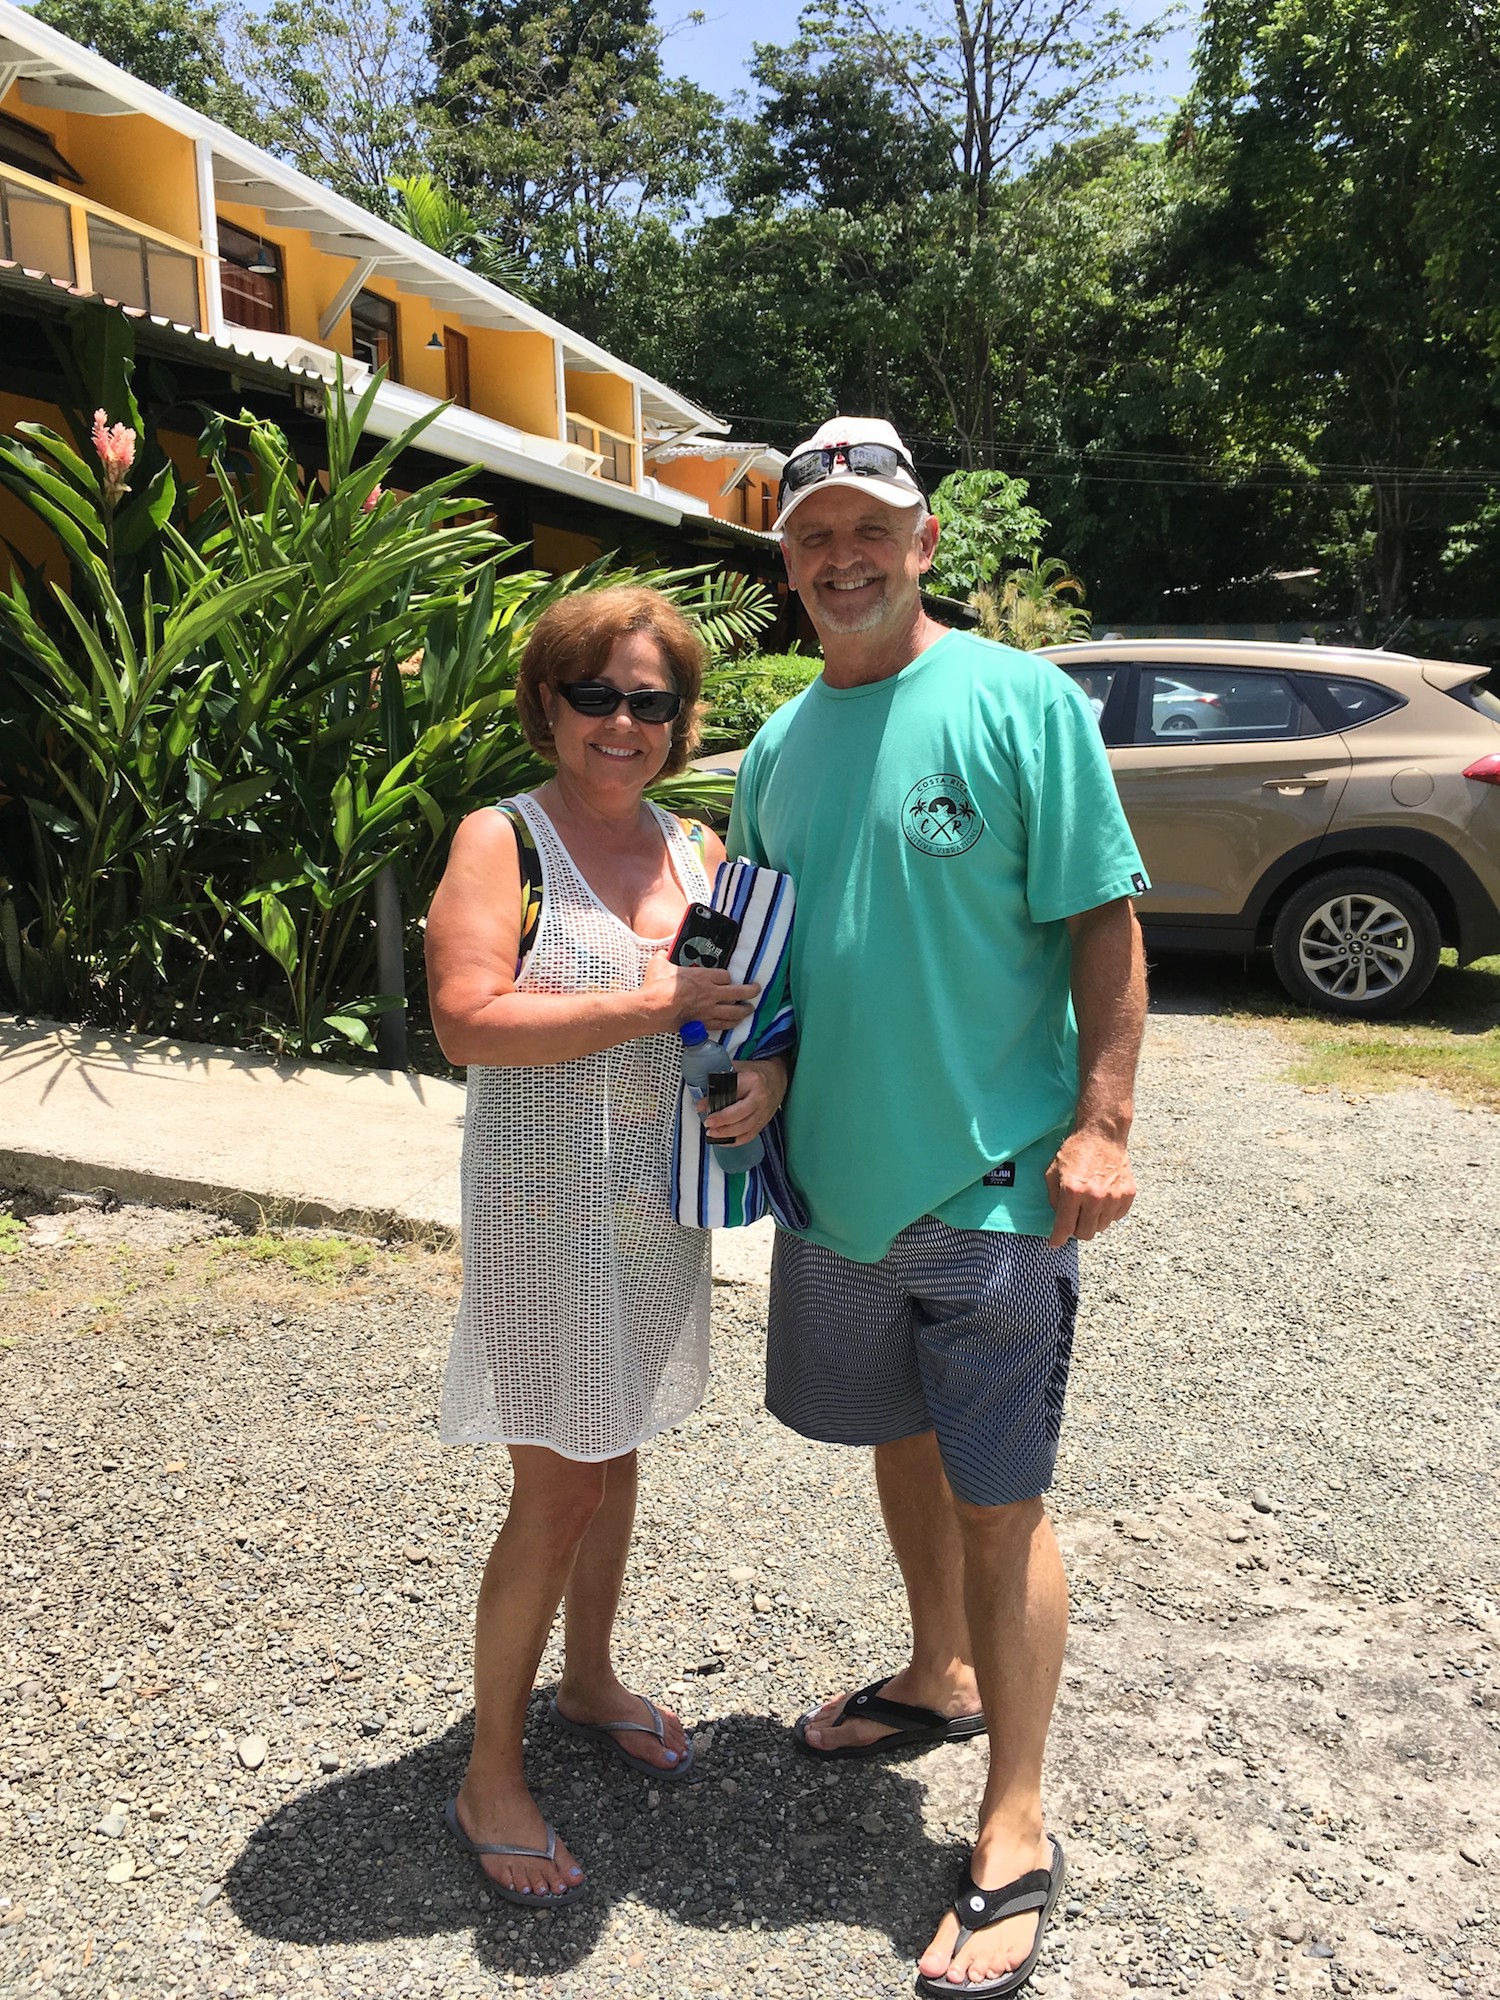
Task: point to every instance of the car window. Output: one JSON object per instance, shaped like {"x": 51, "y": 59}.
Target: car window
{"x": 1355, "y": 701}
{"x": 1096, "y": 683}
{"x": 1482, "y": 694}
{"x": 1230, "y": 704}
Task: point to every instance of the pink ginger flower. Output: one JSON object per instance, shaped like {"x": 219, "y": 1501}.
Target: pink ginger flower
{"x": 115, "y": 445}
{"x": 372, "y": 500}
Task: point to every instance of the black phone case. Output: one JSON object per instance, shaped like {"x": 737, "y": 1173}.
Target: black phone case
{"x": 723, "y": 1090}
{"x": 705, "y": 938}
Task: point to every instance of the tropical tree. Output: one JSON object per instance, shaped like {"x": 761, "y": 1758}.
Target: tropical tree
{"x": 558, "y": 125}
{"x": 978, "y": 85}
{"x": 985, "y": 522}
{"x": 177, "y": 45}
{"x": 333, "y": 89}
{"x": 1335, "y": 250}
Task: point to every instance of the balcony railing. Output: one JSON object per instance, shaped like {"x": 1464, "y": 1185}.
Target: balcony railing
{"x": 614, "y": 455}
{"x": 92, "y": 247}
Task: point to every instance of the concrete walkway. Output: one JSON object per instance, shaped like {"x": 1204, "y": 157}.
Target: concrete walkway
{"x": 154, "y": 1120}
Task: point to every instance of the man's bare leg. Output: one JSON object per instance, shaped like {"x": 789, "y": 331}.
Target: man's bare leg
{"x": 1017, "y": 1602}
{"x": 918, "y": 1506}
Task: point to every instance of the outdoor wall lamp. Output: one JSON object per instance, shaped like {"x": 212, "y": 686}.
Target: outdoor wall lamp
{"x": 435, "y": 345}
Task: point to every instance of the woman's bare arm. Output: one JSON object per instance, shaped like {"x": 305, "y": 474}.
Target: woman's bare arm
{"x": 473, "y": 935}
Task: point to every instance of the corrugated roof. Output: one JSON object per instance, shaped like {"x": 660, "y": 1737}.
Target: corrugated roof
{"x": 47, "y": 290}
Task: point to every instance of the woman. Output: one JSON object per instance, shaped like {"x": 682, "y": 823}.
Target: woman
{"x": 583, "y": 1327}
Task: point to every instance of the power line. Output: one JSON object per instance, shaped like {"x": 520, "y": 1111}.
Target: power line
{"x": 1457, "y": 480}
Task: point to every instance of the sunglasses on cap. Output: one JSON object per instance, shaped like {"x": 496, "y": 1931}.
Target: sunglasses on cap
{"x": 599, "y": 698}
{"x": 868, "y": 461}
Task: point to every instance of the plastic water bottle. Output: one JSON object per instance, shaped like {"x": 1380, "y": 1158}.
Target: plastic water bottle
{"x": 702, "y": 1057}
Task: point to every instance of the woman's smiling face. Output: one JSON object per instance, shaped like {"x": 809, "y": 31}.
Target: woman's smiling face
{"x": 614, "y": 754}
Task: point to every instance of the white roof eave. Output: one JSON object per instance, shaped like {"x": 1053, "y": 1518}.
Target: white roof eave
{"x": 467, "y": 438}
{"x": 302, "y": 203}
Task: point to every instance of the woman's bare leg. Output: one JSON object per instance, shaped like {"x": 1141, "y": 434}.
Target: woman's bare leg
{"x": 590, "y": 1690}
{"x": 554, "y": 1502}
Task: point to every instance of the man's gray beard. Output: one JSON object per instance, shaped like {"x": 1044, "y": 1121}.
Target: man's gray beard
{"x": 866, "y": 621}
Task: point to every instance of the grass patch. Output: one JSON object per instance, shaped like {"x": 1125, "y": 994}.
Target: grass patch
{"x": 12, "y": 1229}
{"x": 325, "y": 1259}
{"x": 1390, "y": 1063}
{"x": 1449, "y": 1041}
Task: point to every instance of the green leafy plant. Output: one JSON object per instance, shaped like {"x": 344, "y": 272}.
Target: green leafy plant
{"x": 1032, "y": 607}
{"x": 437, "y": 217}
{"x": 741, "y": 694}
{"x": 322, "y": 1258}
{"x": 221, "y": 752}
{"x": 986, "y": 523}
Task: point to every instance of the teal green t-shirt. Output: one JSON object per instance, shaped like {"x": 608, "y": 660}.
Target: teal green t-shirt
{"x": 939, "y": 827}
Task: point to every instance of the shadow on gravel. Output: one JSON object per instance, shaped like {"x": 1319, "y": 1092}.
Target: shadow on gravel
{"x": 366, "y": 1859}
{"x": 1460, "y": 1001}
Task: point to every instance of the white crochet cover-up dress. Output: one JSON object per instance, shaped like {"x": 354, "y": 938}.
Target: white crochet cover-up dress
{"x": 583, "y": 1323}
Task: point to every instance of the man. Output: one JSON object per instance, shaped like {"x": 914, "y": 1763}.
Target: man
{"x": 970, "y": 994}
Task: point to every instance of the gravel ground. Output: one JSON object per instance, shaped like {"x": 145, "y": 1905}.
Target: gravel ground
{"x": 239, "y": 1571}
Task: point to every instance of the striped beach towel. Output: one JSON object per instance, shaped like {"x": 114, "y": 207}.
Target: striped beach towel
{"x": 703, "y": 1195}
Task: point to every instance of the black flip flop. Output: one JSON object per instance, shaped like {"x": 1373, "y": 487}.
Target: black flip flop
{"x": 914, "y": 1728}
{"x": 976, "y": 1909}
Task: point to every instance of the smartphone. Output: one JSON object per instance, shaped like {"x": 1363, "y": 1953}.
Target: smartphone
{"x": 705, "y": 938}
{"x": 723, "y": 1090}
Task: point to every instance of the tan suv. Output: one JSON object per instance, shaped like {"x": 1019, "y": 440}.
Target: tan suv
{"x": 1340, "y": 807}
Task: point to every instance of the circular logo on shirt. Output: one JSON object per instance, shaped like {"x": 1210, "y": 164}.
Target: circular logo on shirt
{"x": 939, "y": 817}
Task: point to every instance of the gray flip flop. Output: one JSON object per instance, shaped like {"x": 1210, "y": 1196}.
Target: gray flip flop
{"x": 548, "y": 1900}
{"x": 606, "y": 1733}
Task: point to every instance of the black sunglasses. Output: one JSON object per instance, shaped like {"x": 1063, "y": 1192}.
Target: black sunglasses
{"x": 599, "y": 698}
{"x": 869, "y": 461}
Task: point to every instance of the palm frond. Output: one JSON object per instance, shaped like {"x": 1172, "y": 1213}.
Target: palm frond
{"x": 437, "y": 217}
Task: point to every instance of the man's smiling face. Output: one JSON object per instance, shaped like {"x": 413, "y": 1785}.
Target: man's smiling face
{"x": 857, "y": 563}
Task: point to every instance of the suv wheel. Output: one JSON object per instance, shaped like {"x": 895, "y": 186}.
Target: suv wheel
{"x": 1357, "y": 942}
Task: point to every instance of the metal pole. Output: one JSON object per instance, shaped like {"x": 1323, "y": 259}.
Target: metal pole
{"x": 390, "y": 969}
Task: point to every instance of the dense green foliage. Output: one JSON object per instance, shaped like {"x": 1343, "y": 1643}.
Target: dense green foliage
{"x": 742, "y": 693}
{"x": 1261, "y": 341}
{"x": 175, "y": 45}
{"x": 1038, "y": 605}
{"x": 230, "y": 722}
{"x": 986, "y": 523}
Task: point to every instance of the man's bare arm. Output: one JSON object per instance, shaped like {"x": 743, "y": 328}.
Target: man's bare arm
{"x": 1090, "y": 1181}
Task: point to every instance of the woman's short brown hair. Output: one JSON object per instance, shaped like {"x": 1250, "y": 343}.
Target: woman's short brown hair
{"x": 574, "y": 637}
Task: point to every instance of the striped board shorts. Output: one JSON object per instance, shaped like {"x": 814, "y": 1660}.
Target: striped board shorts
{"x": 965, "y": 1332}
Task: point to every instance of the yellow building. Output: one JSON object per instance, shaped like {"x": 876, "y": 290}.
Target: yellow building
{"x": 250, "y": 281}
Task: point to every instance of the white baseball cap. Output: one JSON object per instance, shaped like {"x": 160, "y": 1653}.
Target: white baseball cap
{"x": 899, "y": 488}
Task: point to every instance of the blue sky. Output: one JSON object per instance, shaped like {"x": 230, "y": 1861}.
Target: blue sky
{"x": 716, "y": 52}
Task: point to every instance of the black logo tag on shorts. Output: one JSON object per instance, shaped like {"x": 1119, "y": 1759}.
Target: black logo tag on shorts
{"x": 1001, "y": 1176}
{"x": 1139, "y": 883}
